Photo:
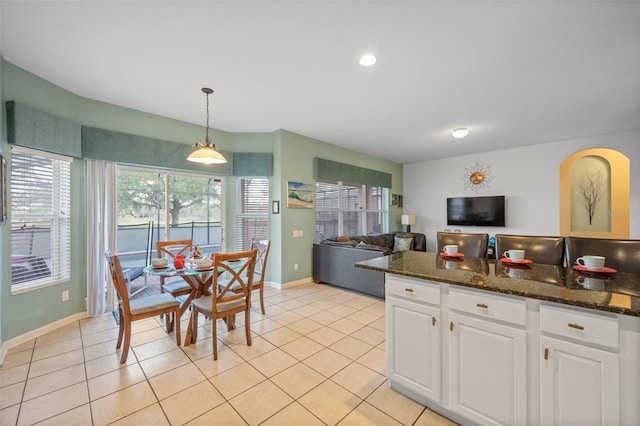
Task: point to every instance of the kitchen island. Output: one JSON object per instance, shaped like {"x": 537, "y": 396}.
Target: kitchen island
{"x": 484, "y": 342}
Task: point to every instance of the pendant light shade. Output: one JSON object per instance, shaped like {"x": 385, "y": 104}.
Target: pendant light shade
{"x": 206, "y": 153}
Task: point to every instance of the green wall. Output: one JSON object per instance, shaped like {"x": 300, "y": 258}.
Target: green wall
{"x": 296, "y": 154}
{"x": 293, "y": 156}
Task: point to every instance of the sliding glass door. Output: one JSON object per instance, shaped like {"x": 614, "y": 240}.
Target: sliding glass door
{"x": 162, "y": 205}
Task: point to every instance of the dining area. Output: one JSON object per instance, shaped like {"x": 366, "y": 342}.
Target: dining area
{"x": 216, "y": 285}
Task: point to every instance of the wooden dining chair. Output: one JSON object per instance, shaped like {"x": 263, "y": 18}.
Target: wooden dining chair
{"x": 224, "y": 302}
{"x": 139, "y": 308}
{"x": 260, "y": 269}
{"x": 176, "y": 287}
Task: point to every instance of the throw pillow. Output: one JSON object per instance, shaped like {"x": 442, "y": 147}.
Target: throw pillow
{"x": 343, "y": 239}
{"x": 406, "y": 235}
{"x": 401, "y": 244}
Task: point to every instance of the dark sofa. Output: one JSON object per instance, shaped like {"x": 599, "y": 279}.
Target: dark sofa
{"x": 333, "y": 260}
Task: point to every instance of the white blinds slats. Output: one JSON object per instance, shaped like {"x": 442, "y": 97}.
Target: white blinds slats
{"x": 252, "y": 220}
{"x": 40, "y": 219}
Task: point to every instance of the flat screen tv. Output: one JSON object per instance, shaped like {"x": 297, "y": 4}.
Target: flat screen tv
{"x": 476, "y": 211}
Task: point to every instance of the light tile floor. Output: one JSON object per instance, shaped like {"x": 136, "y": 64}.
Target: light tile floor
{"x": 318, "y": 357}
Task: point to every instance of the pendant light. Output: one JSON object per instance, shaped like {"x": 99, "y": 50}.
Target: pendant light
{"x": 206, "y": 153}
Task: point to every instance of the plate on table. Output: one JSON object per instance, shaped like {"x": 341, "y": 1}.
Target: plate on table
{"x": 604, "y": 270}
{"x": 516, "y": 262}
{"x": 160, "y": 266}
{"x": 233, "y": 260}
{"x": 456, "y": 255}
{"x": 204, "y": 268}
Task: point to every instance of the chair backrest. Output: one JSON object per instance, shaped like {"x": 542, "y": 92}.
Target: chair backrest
{"x": 172, "y": 248}
{"x": 241, "y": 279}
{"x": 540, "y": 249}
{"x": 623, "y": 255}
{"x": 472, "y": 245}
{"x": 263, "y": 247}
{"x": 119, "y": 282}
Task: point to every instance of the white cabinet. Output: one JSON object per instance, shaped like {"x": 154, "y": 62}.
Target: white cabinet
{"x": 493, "y": 359}
{"x": 579, "y": 383}
{"x": 488, "y": 359}
{"x": 413, "y": 338}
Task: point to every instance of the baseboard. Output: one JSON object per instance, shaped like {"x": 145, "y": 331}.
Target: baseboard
{"x": 18, "y": 340}
{"x": 302, "y": 281}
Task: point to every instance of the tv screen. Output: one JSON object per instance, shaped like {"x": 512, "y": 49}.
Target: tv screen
{"x": 476, "y": 211}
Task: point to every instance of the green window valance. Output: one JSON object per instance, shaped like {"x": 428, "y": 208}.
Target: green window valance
{"x": 41, "y": 130}
{"x": 252, "y": 164}
{"x": 36, "y": 129}
{"x": 334, "y": 171}
{"x": 108, "y": 145}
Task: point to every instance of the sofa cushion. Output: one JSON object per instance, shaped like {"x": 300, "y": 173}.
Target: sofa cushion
{"x": 401, "y": 244}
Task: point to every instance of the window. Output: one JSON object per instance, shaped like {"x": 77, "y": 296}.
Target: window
{"x": 40, "y": 219}
{"x": 252, "y": 219}
{"x": 174, "y": 205}
{"x": 346, "y": 209}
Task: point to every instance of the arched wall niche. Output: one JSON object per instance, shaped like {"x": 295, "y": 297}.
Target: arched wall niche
{"x": 594, "y": 194}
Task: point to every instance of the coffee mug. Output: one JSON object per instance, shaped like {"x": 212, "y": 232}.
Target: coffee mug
{"x": 450, "y": 249}
{"x": 514, "y": 254}
{"x": 592, "y": 263}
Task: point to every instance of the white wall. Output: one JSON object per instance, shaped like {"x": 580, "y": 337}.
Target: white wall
{"x": 527, "y": 176}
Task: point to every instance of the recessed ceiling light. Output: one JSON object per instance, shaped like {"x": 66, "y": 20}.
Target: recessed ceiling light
{"x": 368, "y": 60}
{"x": 460, "y": 132}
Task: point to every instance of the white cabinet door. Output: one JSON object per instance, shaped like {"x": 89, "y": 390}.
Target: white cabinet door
{"x": 413, "y": 346}
{"x": 488, "y": 371}
{"x": 578, "y": 384}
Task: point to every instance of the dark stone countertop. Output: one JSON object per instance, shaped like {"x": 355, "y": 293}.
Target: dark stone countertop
{"x": 618, "y": 292}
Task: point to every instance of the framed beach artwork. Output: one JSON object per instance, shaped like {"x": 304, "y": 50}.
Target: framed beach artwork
{"x": 299, "y": 195}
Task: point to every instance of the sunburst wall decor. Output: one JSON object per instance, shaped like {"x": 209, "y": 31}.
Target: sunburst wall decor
{"x": 477, "y": 177}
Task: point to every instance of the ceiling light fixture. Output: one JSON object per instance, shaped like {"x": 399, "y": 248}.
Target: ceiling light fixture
{"x": 206, "y": 153}
{"x": 368, "y": 60}
{"x": 460, "y": 132}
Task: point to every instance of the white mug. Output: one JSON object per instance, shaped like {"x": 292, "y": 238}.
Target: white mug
{"x": 514, "y": 254}
{"x": 450, "y": 249}
{"x": 592, "y": 263}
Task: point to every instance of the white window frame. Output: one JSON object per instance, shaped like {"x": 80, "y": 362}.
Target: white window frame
{"x": 362, "y": 209}
{"x": 59, "y": 216}
{"x": 262, "y": 214}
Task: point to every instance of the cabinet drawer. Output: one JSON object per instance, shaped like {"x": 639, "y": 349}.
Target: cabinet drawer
{"x": 489, "y": 305}
{"x": 421, "y": 291}
{"x": 583, "y": 326}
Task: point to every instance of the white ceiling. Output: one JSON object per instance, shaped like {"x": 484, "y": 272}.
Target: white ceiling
{"x": 514, "y": 72}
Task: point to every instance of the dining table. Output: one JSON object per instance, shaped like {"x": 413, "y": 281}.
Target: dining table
{"x": 200, "y": 281}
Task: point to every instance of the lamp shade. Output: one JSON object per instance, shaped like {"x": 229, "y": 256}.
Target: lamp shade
{"x": 408, "y": 219}
{"x": 207, "y": 155}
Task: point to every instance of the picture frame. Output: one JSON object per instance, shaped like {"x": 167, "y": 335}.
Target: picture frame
{"x": 3, "y": 191}
{"x": 300, "y": 195}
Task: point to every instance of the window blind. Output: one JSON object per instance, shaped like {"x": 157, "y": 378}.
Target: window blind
{"x": 40, "y": 219}
{"x": 252, "y": 218}
{"x": 348, "y": 209}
